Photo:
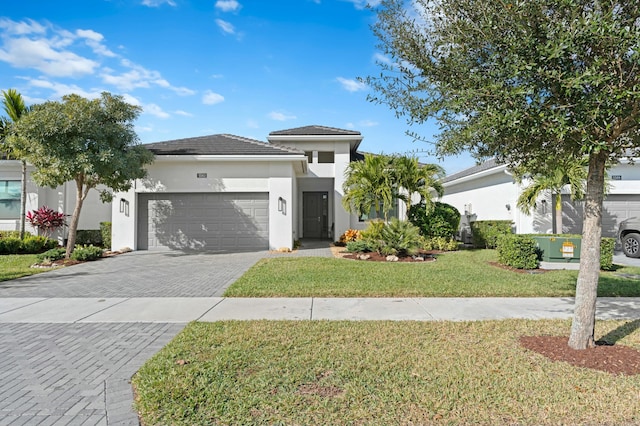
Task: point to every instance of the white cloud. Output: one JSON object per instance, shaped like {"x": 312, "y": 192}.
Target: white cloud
{"x": 155, "y": 110}
{"x": 182, "y": 91}
{"x": 212, "y": 98}
{"x": 157, "y": 3}
{"x": 21, "y": 28}
{"x": 139, "y": 77}
{"x": 94, "y": 41}
{"x": 225, "y": 26}
{"x": 183, "y": 113}
{"x": 279, "y": 116}
{"x": 131, "y": 100}
{"x": 351, "y": 85}
{"x": 368, "y": 123}
{"x": 379, "y": 57}
{"x": 43, "y": 56}
{"x": 253, "y": 124}
{"x": 228, "y": 5}
{"x": 361, "y": 4}
{"x": 59, "y": 89}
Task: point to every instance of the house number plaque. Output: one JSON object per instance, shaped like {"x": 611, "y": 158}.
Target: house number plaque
{"x": 201, "y": 175}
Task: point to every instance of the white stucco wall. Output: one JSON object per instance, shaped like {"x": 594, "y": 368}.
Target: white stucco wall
{"x": 62, "y": 199}
{"x": 178, "y": 174}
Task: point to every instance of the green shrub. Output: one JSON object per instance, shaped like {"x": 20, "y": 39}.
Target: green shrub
{"x": 440, "y": 243}
{"x": 400, "y": 237}
{"x": 34, "y": 244}
{"x": 606, "y": 253}
{"x": 51, "y": 255}
{"x": 485, "y": 232}
{"x": 517, "y": 251}
{"x": 373, "y": 232}
{"x": 105, "y": 230}
{"x": 85, "y": 237}
{"x": 13, "y": 234}
{"x": 84, "y": 253}
{"x": 359, "y": 246}
{"x": 442, "y": 221}
{"x": 10, "y": 245}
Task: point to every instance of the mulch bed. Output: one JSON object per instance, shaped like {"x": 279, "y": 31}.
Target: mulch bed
{"x": 426, "y": 256}
{"x": 613, "y": 359}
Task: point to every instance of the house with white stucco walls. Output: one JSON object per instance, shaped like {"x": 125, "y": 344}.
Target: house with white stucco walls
{"x": 488, "y": 191}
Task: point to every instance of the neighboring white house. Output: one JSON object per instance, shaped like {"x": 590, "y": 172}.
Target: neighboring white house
{"x": 62, "y": 199}
{"x": 226, "y": 192}
{"x": 489, "y": 192}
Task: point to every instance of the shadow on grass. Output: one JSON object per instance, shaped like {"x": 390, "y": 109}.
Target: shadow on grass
{"x": 618, "y": 286}
{"x": 612, "y": 337}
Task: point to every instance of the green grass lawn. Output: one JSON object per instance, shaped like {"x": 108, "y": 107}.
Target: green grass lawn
{"x": 320, "y": 372}
{"x": 18, "y": 265}
{"x": 456, "y": 274}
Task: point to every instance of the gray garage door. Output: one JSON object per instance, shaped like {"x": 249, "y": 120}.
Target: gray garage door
{"x": 616, "y": 208}
{"x": 204, "y": 221}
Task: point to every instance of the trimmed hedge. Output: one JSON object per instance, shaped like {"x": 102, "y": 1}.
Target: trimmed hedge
{"x": 84, "y": 253}
{"x": 105, "y": 230}
{"x": 486, "y": 232}
{"x": 517, "y": 251}
{"x": 606, "y": 253}
{"x": 51, "y": 255}
{"x": 442, "y": 221}
{"x": 32, "y": 244}
{"x": 13, "y": 234}
{"x": 89, "y": 237}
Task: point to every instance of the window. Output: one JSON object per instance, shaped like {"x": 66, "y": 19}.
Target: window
{"x": 9, "y": 199}
{"x": 309, "y": 155}
{"x": 325, "y": 157}
{"x": 373, "y": 215}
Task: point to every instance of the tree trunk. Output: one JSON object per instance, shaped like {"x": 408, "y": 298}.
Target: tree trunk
{"x": 584, "y": 315}
{"x": 73, "y": 226}
{"x": 23, "y": 199}
{"x": 558, "y": 212}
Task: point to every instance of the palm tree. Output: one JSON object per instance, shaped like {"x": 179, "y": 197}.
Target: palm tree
{"x": 369, "y": 184}
{"x": 14, "y": 107}
{"x": 572, "y": 173}
{"x": 410, "y": 177}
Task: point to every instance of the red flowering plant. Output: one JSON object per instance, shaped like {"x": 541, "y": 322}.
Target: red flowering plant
{"x": 46, "y": 220}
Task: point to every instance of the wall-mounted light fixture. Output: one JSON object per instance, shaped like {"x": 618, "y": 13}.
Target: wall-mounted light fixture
{"x": 508, "y": 206}
{"x": 544, "y": 206}
{"x": 282, "y": 205}
{"x": 124, "y": 207}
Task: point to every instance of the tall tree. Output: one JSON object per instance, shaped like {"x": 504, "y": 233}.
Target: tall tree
{"x": 530, "y": 82}
{"x": 573, "y": 174}
{"x": 411, "y": 178}
{"x": 90, "y": 142}
{"x": 15, "y": 108}
{"x": 368, "y": 185}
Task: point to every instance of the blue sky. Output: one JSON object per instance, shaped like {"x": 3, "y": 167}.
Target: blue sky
{"x": 245, "y": 67}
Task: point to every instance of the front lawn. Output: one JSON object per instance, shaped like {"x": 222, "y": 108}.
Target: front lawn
{"x": 383, "y": 372}
{"x": 14, "y": 266}
{"x": 464, "y": 273}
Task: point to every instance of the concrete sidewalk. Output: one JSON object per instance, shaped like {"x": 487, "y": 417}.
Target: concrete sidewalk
{"x": 185, "y": 309}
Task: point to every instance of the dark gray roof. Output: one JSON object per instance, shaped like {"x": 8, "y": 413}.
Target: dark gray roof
{"x": 223, "y": 144}
{"x": 315, "y": 131}
{"x": 487, "y": 165}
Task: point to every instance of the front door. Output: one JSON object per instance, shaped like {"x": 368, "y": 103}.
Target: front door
{"x": 315, "y": 214}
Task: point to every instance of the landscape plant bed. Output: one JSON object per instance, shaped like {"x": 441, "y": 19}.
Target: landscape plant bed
{"x": 386, "y": 372}
{"x": 421, "y": 257}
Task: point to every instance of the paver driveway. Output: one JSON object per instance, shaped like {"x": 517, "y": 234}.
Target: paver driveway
{"x": 138, "y": 274}
{"x": 73, "y": 374}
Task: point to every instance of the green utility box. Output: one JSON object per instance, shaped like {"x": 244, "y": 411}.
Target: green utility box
{"x": 559, "y": 249}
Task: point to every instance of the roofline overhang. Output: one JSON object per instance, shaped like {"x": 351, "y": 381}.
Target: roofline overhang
{"x": 494, "y": 170}
{"x": 293, "y": 157}
{"x": 354, "y": 140}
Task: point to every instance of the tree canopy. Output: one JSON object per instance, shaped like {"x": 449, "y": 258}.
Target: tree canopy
{"x": 530, "y": 82}
{"x": 90, "y": 142}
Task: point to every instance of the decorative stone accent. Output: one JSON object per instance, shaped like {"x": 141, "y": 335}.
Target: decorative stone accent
{"x": 392, "y": 258}
{"x": 364, "y": 256}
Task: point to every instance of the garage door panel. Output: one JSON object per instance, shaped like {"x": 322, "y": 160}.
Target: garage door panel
{"x": 230, "y": 221}
{"x": 616, "y": 209}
